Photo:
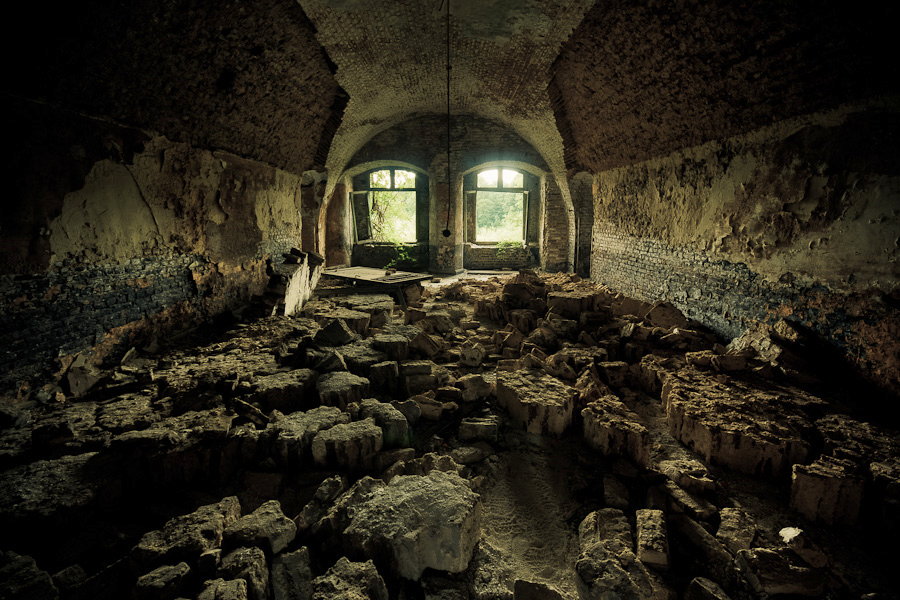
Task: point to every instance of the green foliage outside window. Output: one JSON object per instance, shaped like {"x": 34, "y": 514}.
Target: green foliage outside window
{"x": 499, "y": 216}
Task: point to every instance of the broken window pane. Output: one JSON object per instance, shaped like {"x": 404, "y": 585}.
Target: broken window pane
{"x": 404, "y": 179}
{"x": 488, "y": 178}
{"x": 393, "y": 216}
{"x": 512, "y": 179}
{"x": 499, "y": 216}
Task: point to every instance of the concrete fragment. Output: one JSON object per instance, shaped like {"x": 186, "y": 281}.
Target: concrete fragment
{"x": 350, "y": 580}
{"x": 479, "y": 428}
{"x": 652, "y": 539}
{"x": 394, "y": 425}
{"x": 293, "y": 434}
{"x": 20, "y": 577}
{"x": 737, "y": 530}
{"x": 291, "y": 577}
{"x": 250, "y": 565}
{"x": 389, "y": 521}
{"x": 341, "y": 388}
{"x": 221, "y": 589}
{"x": 472, "y": 354}
{"x": 335, "y": 333}
{"x": 828, "y": 490}
{"x": 266, "y": 527}
{"x": 614, "y": 430}
{"x": 701, "y": 588}
{"x": 349, "y": 445}
{"x": 286, "y": 392}
{"x": 774, "y": 572}
{"x": 163, "y": 583}
{"x": 539, "y": 403}
{"x": 188, "y": 536}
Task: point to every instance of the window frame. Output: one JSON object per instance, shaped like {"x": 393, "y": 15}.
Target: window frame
{"x": 366, "y": 191}
{"x": 499, "y": 188}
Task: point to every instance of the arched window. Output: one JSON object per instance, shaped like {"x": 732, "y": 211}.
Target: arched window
{"x": 385, "y": 208}
{"x": 500, "y": 206}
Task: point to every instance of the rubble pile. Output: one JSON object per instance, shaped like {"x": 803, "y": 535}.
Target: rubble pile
{"x": 527, "y": 437}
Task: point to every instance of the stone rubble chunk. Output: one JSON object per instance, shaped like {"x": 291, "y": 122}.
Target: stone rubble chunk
{"x": 394, "y": 345}
{"x": 350, "y": 581}
{"x": 572, "y": 304}
{"x": 427, "y": 345}
{"x": 688, "y": 473}
{"x": 409, "y": 409}
{"x": 221, "y": 589}
{"x": 327, "y": 492}
{"x": 652, "y": 539}
{"x": 436, "y": 321}
{"x": 378, "y": 306}
{"x": 165, "y": 582}
{"x": 797, "y": 540}
{"x": 683, "y": 502}
{"x": 829, "y": 490}
{"x": 361, "y": 356}
{"x": 474, "y": 387}
{"x": 540, "y": 403}
{"x": 390, "y": 521}
{"x": 125, "y": 414}
{"x": 341, "y": 388}
{"x": 615, "y": 373}
{"x": 774, "y": 572}
{"x": 606, "y": 565}
{"x": 186, "y": 537}
{"x": 603, "y": 525}
{"x": 349, "y": 445}
{"x": 385, "y": 375}
{"x": 479, "y": 428}
{"x": 286, "y": 392}
{"x": 331, "y": 361}
{"x": 666, "y": 315}
{"x": 335, "y": 333}
{"x": 737, "y": 529}
{"x": 472, "y": 354}
{"x": 20, "y": 577}
{"x": 266, "y": 527}
{"x": 293, "y": 434}
{"x": 614, "y": 430}
{"x": 710, "y": 553}
{"x": 701, "y": 588}
{"x": 250, "y": 565}
{"x": 291, "y": 577}
{"x": 394, "y": 424}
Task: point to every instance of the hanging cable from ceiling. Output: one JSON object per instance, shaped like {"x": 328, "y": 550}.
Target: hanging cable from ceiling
{"x": 446, "y": 232}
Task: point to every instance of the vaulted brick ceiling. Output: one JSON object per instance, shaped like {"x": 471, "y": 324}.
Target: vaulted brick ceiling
{"x": 391, "y": 57}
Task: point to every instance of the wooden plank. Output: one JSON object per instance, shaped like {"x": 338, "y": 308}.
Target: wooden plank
{"x": 370, "y": 275}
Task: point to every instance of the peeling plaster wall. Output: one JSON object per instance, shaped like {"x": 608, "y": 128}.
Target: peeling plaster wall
{"x": 153, "y": 236}
{"x": 798, "y": 220}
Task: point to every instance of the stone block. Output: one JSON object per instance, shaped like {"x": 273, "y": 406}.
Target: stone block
{"x": 539, "y": 403}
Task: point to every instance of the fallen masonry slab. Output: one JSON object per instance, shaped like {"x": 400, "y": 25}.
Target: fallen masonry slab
{"x": 389, "y": 521}
{"x": 287, "y": 391}
{"x": 351, "y": 445}
{"x": 652, "y": 539}
{"x": 293, "y": 434}
{"x": 350, "y": 580}
{"x": 540, "y": 403}
{"x": 614, "y": 430}
{"x": 341, "y": 388}
{"x": 266, "y": 527}
{"x": 829, "y": 490}
{"x": 752, "y": 428}
{"x": 188, "y": 536}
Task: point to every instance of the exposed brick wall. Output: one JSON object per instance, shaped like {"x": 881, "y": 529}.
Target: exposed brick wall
{"x": 728, "y": 297}
{"x": 499, "y": 257}
{"x": 797, "y": 220}
{"x": 581, "y": 186}
{"x": 640, "y": 79}
{"x": 72, "y": 309}
{"x": 249, "y": 78}
{"x": 554, "y": 250}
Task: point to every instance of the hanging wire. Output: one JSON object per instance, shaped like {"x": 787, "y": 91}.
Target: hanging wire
{"x": 446, "y": 231}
